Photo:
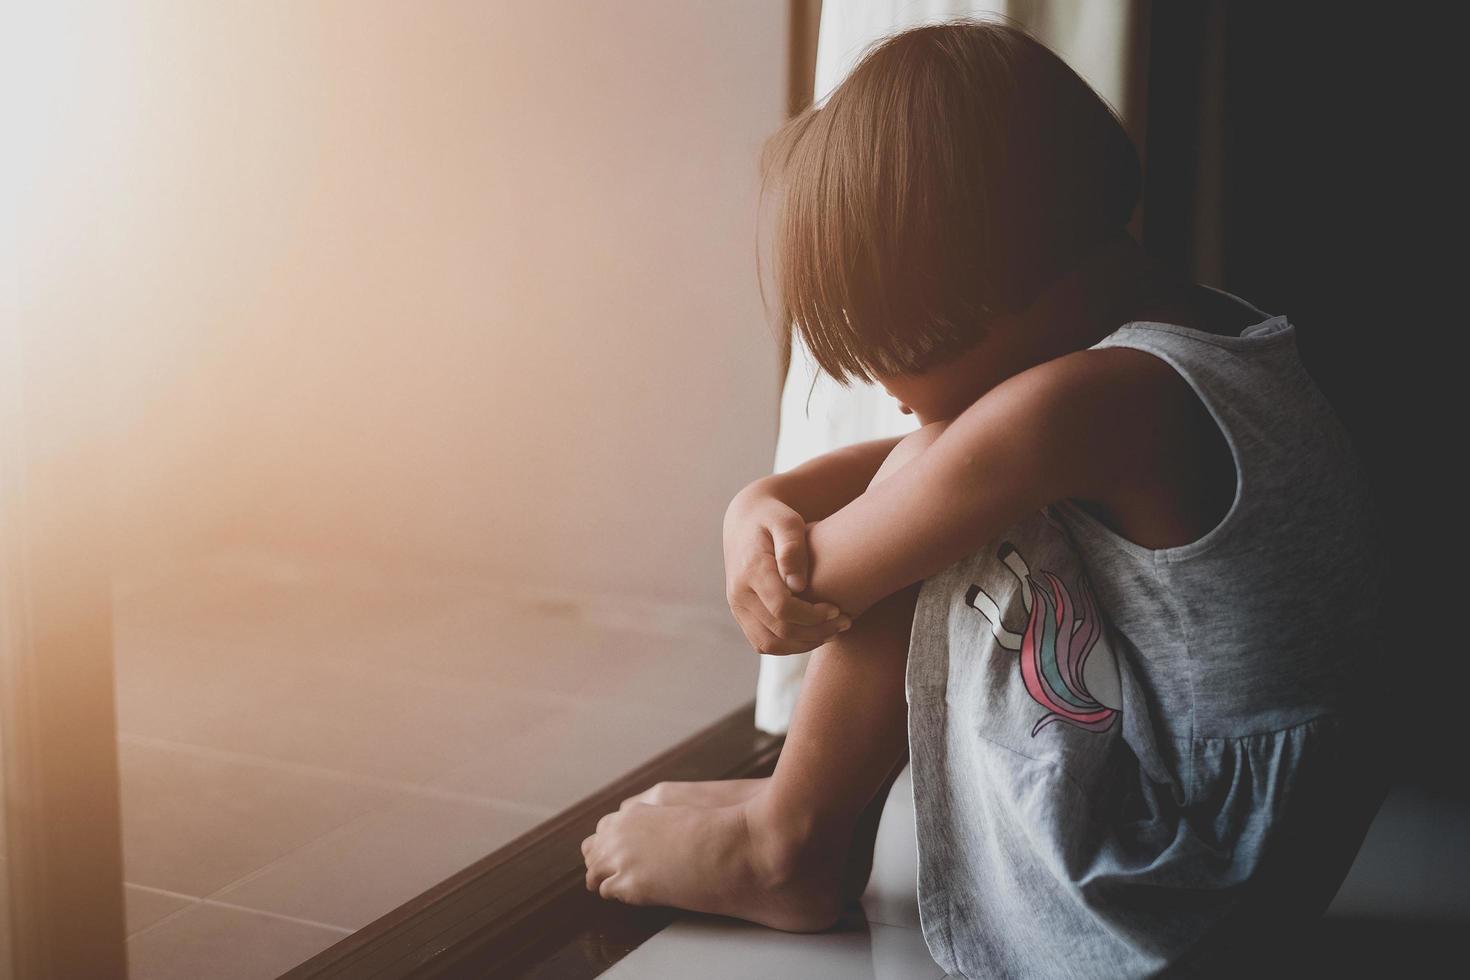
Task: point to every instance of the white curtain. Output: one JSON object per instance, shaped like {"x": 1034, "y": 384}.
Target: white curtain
{"x": 1099, "y": 39}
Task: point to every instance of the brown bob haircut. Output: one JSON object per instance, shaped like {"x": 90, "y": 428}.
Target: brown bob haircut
{"x": 957, "y": 171}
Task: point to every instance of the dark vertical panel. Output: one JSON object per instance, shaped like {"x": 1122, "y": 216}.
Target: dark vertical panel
{"x": 804, "y": 19}
{"x": 1321, "y": 190}
{"x": 806, "y": 15}
{"x": 1176, "y": 48}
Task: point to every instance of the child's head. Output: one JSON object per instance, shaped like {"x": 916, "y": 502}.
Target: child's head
{"x": 956, "y": 172}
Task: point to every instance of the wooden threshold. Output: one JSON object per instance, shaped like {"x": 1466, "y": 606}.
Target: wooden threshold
{"x": 523, "y": 910}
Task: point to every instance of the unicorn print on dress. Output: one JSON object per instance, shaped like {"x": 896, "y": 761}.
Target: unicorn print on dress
{"x": 1066, "y": 661}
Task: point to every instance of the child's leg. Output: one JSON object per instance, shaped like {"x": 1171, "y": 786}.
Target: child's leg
{"x": 777, "y": 856}
{"x": 727, "y": 792}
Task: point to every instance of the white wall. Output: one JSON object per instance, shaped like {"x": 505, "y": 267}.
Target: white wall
{"x": 465, "y": 282}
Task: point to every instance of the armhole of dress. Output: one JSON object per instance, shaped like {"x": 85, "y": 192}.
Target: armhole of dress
{"x": 1223, "y": 526}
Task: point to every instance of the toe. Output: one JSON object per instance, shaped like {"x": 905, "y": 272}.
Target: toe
{"x": 595, "y": 875}
{"x": 608, "y": 888}
{"x": 589, "y": 857}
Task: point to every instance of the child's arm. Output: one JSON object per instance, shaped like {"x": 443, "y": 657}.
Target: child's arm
{"x": 766, "y": 548}
{"x": 823, "y": 484}
{"x": 1037, "y": 437}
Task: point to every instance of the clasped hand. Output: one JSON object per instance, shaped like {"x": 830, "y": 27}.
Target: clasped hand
{"x": 766, "y": 564}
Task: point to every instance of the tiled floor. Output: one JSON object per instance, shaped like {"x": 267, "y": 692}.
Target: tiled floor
{"x": 305, "y": 747}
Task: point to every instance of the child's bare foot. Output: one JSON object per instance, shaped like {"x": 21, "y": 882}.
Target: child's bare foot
{"x": 729, "y": 860}
{"x": 713, "y": 792}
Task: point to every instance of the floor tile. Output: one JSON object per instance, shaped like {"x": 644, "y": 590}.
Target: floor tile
{"x": 724, "y": 949}
{"x": 223, "y": 944}
{"x": 278, "y": 617}
{"x": 277, "y": 696}
{"x": 145, "y": 906}
{"x": 194, "y": 824}
{"x": 486, "y": 645}
{"x": 361, "y": 871}
{"x": 581, "y": 750}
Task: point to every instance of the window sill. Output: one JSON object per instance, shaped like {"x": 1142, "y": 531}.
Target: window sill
{"x": 523, "y": 910}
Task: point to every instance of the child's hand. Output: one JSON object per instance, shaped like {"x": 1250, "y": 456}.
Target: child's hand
{"x": 765, "y": 562}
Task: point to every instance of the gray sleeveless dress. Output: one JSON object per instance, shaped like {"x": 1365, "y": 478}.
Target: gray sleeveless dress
{"x": 1139, "y": 762}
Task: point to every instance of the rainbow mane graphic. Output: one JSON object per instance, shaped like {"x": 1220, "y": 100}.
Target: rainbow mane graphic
{"x": 1060, "y": 634}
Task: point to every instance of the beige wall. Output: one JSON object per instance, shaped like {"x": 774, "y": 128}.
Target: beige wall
{"x": 465, "y": 282}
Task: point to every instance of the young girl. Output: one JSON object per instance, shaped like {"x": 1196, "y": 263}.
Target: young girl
{"x": 1175, "y": 790}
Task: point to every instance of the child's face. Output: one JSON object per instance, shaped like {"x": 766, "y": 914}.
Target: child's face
{"x": 944, "y": 390}
{"x": 941, "y": 393}
{"x": 901, "y": 387}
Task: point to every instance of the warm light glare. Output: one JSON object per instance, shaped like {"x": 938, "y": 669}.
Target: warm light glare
{"x": 373, "y": 279}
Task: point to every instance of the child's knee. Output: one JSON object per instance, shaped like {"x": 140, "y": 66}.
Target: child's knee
{"x": 908, "y": 447}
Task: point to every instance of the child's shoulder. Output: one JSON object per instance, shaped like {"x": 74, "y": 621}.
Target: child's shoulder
{"x": 1124, "y": 402}
{"x": 1147, "y": 456}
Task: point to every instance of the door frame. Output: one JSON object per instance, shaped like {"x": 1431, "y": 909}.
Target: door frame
{"x": 58, "y": 723}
